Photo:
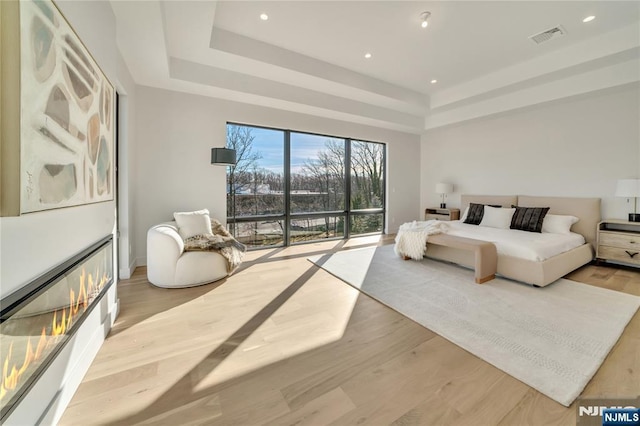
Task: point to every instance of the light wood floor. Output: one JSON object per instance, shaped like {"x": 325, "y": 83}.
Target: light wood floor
{"x": 283, "y": 342}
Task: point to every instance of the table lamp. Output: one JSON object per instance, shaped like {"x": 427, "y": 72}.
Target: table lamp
{"x": 443, "y": 189}
{"x": 630, "y": 188}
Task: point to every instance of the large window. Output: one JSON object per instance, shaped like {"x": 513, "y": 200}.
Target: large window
{"x": 317, "y": 173}
{"x": 290, "y": 187}
{"x": 367, "y": 187}
{"x": 255, "y": 185}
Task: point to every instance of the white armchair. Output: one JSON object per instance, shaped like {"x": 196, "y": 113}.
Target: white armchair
{"x": 168, "y": 265}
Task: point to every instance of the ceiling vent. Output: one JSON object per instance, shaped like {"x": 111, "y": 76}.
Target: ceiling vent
{"x": 547, "y": 35}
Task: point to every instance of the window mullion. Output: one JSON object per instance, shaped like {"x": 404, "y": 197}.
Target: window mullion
{"x": 347, "y": 189}
{"x": 287, "y": 187}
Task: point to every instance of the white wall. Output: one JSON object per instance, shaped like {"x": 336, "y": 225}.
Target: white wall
{"x": 33, "y": 243}
{"x": 574, "y": 147}
{"x": 126, "y": 164}
{"x": 176, "y": 131}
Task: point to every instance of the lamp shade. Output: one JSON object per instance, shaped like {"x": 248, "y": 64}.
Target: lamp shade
{"x": 223, "y": 156}
{"x": 444, "y": 188}
{"x": 628, "y": 188}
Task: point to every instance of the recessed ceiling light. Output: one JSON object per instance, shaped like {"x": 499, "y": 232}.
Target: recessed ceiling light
{"x": 264, "y": 16}
{"x": 367, "y": 55}
{"x": 589, "y": 18}
{"x": 424, "y": 16}
{"x": 434, "y": 81}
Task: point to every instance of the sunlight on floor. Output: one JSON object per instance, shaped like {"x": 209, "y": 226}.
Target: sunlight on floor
{"x": 364, "y": 240}
{"x": 275, "y": 311}
{"x": 294, "y": 328}
{"x": 357, "y": 262}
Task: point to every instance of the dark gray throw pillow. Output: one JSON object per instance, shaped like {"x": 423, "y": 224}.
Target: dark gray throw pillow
{"x": 474, "y": 216}
{"x": 528, "y": 218}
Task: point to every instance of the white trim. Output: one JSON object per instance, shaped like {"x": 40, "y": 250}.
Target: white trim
{"x": 125, "y": 273}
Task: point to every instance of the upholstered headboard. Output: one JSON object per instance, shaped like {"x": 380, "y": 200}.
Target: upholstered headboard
{"x": 502, "y": 200}
{"x": 586, "y": 209}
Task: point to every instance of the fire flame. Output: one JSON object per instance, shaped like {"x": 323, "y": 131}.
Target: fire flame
{"x": 61, "y": 322}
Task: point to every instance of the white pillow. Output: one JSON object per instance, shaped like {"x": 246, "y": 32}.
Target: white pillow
{"x": 558, "y": 224}
{"x": 464, "y": 215}
{"x": 193, "y": 223}
{"x": 496, "y": 217}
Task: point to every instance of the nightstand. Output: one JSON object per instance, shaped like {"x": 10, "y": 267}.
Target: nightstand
{"x": 441, "y": 214}
{"x": 619, "y": 241}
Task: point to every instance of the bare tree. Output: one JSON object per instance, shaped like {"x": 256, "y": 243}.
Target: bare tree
{"x": 241, "y": 139}
{"x": 366, "y": 171}
{"x": 327, "y": 172}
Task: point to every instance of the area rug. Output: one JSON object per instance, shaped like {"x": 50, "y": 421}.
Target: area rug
{"x": 554, "y": 339}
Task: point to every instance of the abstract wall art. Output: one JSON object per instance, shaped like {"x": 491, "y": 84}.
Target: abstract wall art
{"x": 67, "y": 127}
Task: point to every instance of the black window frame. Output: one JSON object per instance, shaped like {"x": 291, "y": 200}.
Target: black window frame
{"x": 347, "y": 213}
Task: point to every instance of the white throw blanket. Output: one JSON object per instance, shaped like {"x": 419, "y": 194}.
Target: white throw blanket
{"x": 411, "y": 240}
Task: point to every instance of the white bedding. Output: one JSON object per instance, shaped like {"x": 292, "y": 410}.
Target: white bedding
{"x": 526, "y": 245}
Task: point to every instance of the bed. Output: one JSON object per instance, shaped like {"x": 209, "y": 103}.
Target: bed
{"x": 536, "y": 272}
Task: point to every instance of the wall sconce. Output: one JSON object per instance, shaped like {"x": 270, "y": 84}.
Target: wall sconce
{"x": 443, "y": 189}
{"x": 223, "y": 156}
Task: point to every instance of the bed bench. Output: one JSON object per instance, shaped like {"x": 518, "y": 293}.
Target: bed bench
{"x": 485, "y": 254}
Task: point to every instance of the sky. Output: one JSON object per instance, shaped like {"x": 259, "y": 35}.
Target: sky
{"x": 270, "y": 144}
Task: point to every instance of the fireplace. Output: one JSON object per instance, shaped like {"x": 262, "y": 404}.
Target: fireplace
{"x": 38, "y": 321}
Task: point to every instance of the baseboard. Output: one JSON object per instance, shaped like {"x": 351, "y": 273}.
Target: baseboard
{"x": 125, "y": 273}
{"x": 141, "y": 261}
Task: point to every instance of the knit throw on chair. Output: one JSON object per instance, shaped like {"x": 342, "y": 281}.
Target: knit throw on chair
{"x": 221, "y": 241}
